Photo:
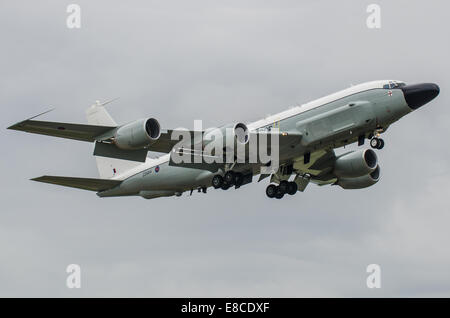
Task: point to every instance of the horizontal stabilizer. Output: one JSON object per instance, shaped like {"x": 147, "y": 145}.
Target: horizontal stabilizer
{"x": 63, "y": 130}
{"x": 80, "y": 183}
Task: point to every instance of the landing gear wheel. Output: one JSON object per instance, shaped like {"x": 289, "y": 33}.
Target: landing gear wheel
{"x": 292, "y": 188}
{"x": 229, "y": 177}
{"x": 374, "y": 142}
{"x": 238, "y": 179}
{"x": 279, "y": 194}
{"x": 271, "y": 190}
{"x": 283, "y": 187}
{"x": 377, "y": 143}
{"x": 225, "y": 186}
{"x": 217, "y": 181}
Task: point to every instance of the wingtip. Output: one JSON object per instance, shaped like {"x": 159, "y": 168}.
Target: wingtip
{"x": 43, "y": 113}
{"x": 16, "y": 125}
{"x": 37, "y": 178}
{"x": 103, "y": 104}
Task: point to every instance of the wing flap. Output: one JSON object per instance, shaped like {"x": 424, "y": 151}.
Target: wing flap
{"x": 90, "y": 184}
{"x": 111, "y": 151}
{"x": 63, "y": 130}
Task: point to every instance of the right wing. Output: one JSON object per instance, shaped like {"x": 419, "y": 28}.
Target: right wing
{"x": 80, "y": 132}
{"x": 165, "y": 143}
{"x": 198, "y": 159}
{"x": 89, "y": 133}
{"x": 103, "y": 136}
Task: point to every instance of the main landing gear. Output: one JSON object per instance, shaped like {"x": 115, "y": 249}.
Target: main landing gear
{"x": 377, "y": 143}
{"x": 285, "y": 187}
{"x": 230, "y": 179}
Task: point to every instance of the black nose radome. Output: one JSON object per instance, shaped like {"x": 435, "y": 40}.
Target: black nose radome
{"x": 419, "y": 94}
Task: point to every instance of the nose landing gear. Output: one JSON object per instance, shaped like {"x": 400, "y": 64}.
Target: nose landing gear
{"x": 377, "y": 143}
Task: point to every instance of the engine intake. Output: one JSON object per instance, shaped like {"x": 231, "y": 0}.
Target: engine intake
{"x": 233, "y": 133}
{"x": 138, "y": 134}
{"x": 355, "y": 164}
{"x": 241, "y": 133}
{"x": 360, "y": 182}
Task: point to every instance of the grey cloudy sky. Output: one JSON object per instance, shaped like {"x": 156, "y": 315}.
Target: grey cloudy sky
{"x": 220, "y": 61}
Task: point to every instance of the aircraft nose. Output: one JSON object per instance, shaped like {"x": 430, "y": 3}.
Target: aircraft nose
{"x": 417, "y": 95}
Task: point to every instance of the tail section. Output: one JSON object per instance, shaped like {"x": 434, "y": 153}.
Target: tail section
{"x": 98, "y": 115}
{"x": 107, "y": 167}
{"x": 110, "y": 167}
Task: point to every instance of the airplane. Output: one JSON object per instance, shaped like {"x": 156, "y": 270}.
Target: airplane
{"x": 307, "y": 136}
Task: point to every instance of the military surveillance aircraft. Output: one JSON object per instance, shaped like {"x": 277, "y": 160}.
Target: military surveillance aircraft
{"x": 307, "y": 136}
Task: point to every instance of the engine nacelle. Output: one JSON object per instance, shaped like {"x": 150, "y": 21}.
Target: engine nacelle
{"x": 137, "y": 134}
{"x": 239, "y": 133}
{"x": 355, "y": 164}
{"x": 360, "y": 182}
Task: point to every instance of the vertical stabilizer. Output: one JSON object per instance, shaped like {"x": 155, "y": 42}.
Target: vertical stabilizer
{"x": 98, "y": 115}
{"x": 107, "y": 167}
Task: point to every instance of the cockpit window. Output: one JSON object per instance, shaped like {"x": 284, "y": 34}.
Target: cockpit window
{"x": 392, "y": 85}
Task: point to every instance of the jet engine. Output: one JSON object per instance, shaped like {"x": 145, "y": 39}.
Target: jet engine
{"x": 238, "y": 132}
{"x": 241, "y": 133}
{"x": 360, "y": 182}
{"x": 137, "y": 134}
{"x": 355, "y": 164}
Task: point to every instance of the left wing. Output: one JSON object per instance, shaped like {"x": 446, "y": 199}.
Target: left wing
{"x": 319, "y": 169}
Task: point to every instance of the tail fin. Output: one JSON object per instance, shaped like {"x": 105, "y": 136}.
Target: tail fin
{"x": 107, "y": 167}
{"x": 98, "y": 115}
